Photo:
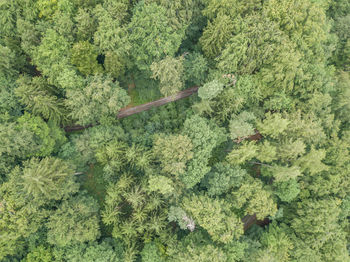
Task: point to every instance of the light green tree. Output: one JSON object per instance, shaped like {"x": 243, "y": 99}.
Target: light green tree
{"x": 173, "y": 152}
{"x": 161, "y": 184}
{"x": 242, "y": 126}
{"x": 273, "y": 125}
{"x": 84, "y": 57}
{"x": 210, "y": 90}
{"x": 287, "y": 190}
{"x": 48, "y": 179}
{"x": 252, "y": 198}
{"x": 215, "y": 216}
{"x": 169, "y": 72}
{"x": 245, "y": 152}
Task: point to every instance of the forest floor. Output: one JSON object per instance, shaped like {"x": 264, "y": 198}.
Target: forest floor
{"x": 94, "y": 183}
{"x": 96, "y": 186}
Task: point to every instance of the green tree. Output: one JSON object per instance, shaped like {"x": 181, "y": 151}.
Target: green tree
{"x": 169, "y": 72}
{"x": 19, "y": 216}
{"x": 48, "y": 179}
{"x": 39, "y": 254}
{"x": 40, "y": 98}
{"x": 241, "y": 126}
{"x": 52, "y": 58}
{"x": 100, "y": 98}
{"x": 195, "y": 69}
{"x": 75, "y": 220}
{"x": 7, "y": 64}
{"x": 216, "y": 34}
{"x": 132, "y": 211}
{"x": 173, "y": 151}
{"x": 151, "y": 35}
{"x": 151, "y": 253}
{"x": 210, "y": 90}
{"x": 46, "y": 136}
{"x": 86, "y": 24}
{"x": 196, "y": 246}
{"x": 222, "y": 178}
{"x": 252, "y": 198}
{"x": 205, "y": 136}
{"x": 179, "y": 12}
{"x": 110, "y": 34}
{"x": 277, "y": 241}
{"x": 107, "y": 249}
{"x": 215, "y": 216}
{"x": 316, "y": 225}
{"x": 84, "y": 57}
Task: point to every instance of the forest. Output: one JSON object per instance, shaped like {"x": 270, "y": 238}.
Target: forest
{"x": 252, "y": 167}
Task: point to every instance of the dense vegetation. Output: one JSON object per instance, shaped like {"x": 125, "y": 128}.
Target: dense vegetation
{"x": 268, "y": 134}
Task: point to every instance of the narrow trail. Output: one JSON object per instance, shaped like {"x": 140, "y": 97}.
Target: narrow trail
{"x": 124, "y": 112}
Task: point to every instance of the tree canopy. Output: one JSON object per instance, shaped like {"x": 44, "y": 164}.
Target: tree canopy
{"x": 253, "y": 165}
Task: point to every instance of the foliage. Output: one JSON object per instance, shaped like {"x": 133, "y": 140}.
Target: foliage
{"x": 169, "y": 73}
{"x": 84, "y": 57}
{"x": 264, "y": 141}
{"x": 48, "y": 179}
{"x": 76, "y": 220}
{"x": 222, "y": 178}
{"x": 195, "y": 68}
{"x": 215, "y": 216}
{"x": 173, "y": 152}
{"x": 46, "y": 137}
{"x": 131, "y": 211}
{"x": 150, "y": 253}
{"x": 100, "y": 98}
{"x": 205, "y": 136}
{"x": 241, "y": 127}
{"x": 161, "y": 184}
{"x": 210, "y": 90}
{"x": 40, "y": 253}
{"x": 40, "y": 98}
{"x": 105, "y": 250}
{"x": 254, "y": 199}
{"x": 151, "y": 35}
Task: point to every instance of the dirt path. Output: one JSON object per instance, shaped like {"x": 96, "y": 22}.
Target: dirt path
{"x": 128, "y": 111}
{"x": 124, "y": 112}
